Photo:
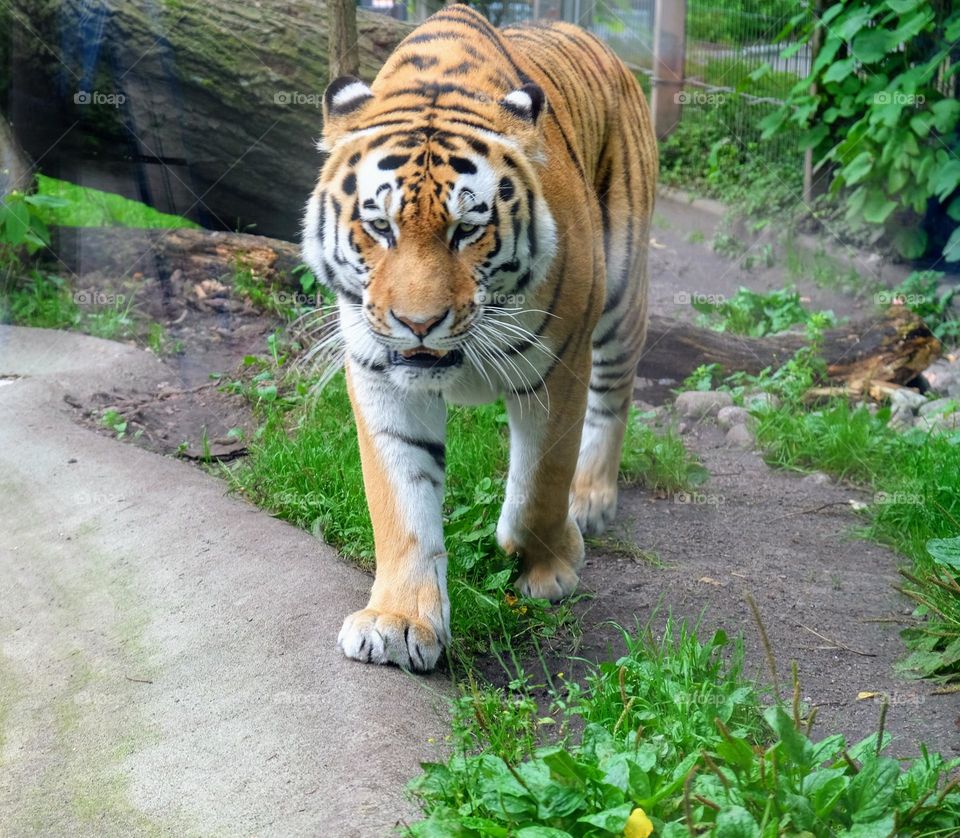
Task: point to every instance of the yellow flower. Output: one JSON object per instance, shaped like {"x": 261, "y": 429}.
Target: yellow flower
{"x": 638, "y": 825}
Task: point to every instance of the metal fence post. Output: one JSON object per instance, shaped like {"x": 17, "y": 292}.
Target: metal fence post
{"x": 669, "y": 50}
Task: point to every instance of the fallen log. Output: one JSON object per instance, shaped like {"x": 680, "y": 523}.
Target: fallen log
{"x": 892, "y": 347}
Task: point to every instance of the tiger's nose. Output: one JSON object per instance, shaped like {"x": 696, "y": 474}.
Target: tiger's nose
{"x": 421, "y": 328}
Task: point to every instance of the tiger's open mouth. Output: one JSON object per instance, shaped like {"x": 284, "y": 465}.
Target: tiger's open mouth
{"x": 425, "y": 358}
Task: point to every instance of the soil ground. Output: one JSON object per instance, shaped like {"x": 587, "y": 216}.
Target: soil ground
{"x": 827, "y": 598}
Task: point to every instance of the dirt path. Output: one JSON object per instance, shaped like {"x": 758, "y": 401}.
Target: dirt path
{"x": 827, "y": 598}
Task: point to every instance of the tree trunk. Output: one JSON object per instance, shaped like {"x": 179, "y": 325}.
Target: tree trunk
{"x": 205, "y": 108}
{"x": 344, "y": 55}
{"x": 14, "y": 167}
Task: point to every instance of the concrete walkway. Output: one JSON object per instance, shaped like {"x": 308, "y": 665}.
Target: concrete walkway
{"x": 167, "y": 653}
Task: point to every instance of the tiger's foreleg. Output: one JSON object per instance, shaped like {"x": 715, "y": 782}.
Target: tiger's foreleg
{"x": 535, "y": 522}
{"x": 401, "y": 436}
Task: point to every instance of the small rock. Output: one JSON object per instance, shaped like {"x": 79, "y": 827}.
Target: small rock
{"x": 740, "y": 436}
{"x": 761, "y": 401}
{"x": 870, "y": 407}
{"x": 697, "y": 404}
{"x": 732, "y": 415}
{"x": 902, "y": 417}
{"x": 906, "y": 398}
{"x": 938, "y": 421}
{"x": 942, "y": 377}
{"x": 938, "y": 406}
{"x": 683, "y": 428}
{"x": 817, "y": 478}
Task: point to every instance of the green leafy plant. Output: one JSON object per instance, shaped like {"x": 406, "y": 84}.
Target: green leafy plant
{"x": 676, "y": 740}
{"x": 878, "y": 111}
{"x": 751, "y": 313}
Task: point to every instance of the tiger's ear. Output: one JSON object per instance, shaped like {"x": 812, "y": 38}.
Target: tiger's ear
{"x": 523, "y": 110}
{"x": 343, "y": 97}
{"x": 525, "y": 103}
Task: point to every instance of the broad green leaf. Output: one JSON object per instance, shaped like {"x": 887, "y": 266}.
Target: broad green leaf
{"x": 921, "y": 122}
{"x": 852, "y": 23}
{"x": 903, "y": 6}
{"x": 870, "y": 45}
{"x": 951, "y": 250}
{"x": 824, "y": 788}
{"x": 946, "y": 112}
{"x": 558, "y": 801}
{"x": 796, "y": 746}
{"x": 910, "y": 242}
{"x": 858, "y": 168}
{"x": 736, "y": 822}
{"x": 946, "y": 179}
{"x": 839, "y": 70}
{"x": 827, "y": 748}
{"x": 954, "y": 209}
{"x": 612, "y": 820}
{"x": 881, "y": 828}
{"x": 541, "y": 832}
{"x": 737, "y": 752}
{"x": 801, "y": 811}
{"x": 870, "y": 793}
{"x": 877, "y": 207}
{"x": 945, "y": 551}
{"x": 564, "y": 767}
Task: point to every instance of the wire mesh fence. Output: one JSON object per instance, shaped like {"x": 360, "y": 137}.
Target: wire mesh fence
{"x": 734, "y": 71}
{"x": 735, "y": 74}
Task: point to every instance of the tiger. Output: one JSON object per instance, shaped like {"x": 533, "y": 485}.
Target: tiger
{"x": 482, "y": 216}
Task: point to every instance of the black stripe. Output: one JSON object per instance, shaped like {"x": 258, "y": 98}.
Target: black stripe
{"x": 434, "y": 449}
{"x": 421, "y": 62}
{"x": 372, "y": 366}
{"x": 392, "y": 161}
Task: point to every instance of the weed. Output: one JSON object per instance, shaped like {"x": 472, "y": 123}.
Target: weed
{"x": 751, "y": 313}
{"x": 657, "y": 461}
{"x": 676, "y": 741}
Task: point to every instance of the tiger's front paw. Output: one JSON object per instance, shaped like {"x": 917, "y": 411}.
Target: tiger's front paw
{"x": 548, "y": 581}
{"x": 375, "y": 636}
{"x": 551, "y": 561}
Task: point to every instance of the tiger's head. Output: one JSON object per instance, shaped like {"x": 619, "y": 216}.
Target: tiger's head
{"x": 427, "y": 225}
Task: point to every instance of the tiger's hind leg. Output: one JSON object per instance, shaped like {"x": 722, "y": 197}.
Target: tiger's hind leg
{"x": 625, "y": 189}
{"x": 616, "y": 351}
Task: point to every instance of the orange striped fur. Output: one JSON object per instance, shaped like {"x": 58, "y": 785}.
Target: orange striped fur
{"x": 483, "y": 216}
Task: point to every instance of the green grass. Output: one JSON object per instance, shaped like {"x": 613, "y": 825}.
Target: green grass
{"x": 672, "y": 736}
{"x": 304, "y": 467}
{"x": 83, "y": 206}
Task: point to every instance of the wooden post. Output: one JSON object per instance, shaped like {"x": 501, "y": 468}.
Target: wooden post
{"x": 810, "y": 188}
{"x": 344, "y": 51}
{"x": 669, "y": 52}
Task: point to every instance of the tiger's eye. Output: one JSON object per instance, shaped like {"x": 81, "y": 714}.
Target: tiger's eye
{"x": 466, "y": 229}
{"x": 381, "y": 225}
